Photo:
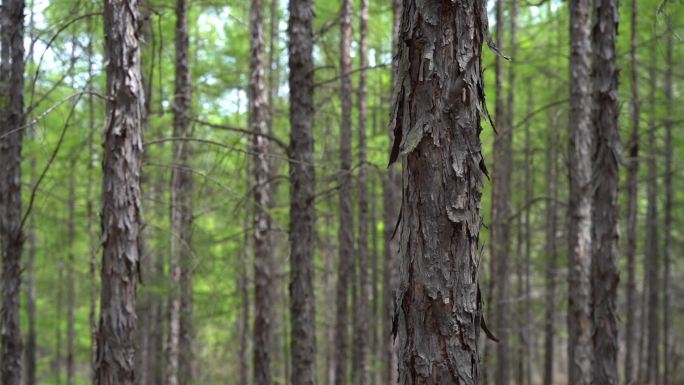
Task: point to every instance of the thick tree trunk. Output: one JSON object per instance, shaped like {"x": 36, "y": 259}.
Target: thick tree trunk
{"x": 121, "y": 197}
{"x": 345, "y": 209}
{"x": 580, "y": 149}
{"x": 435, "y": 118}
{"x": 632, "y": 192}
{"x": 361, "y": 332}
{"x": 11, "y": 136}
{"x": 391, "y": 194}
{"x": 604, "y": 219}
{"x": 302, "y": 189}
{"x": 263, "y": 296}
{"x": 667, "y": 248}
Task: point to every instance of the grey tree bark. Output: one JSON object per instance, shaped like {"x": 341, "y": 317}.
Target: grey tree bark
{"x": 121, "y": 199}
{"x": 345, "y": 209}
{"x": 604, "y": 265}
{"x": 263, "y": 296}
{"x": 11, "y": 234}
{"x": 436, "y": 122}
{"x": 302, "y": 189}
{"x": 580, "y": 150}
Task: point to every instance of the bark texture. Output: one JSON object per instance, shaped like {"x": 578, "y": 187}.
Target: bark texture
{"x": 345, "y": 210}
{"x": 263, "y": 296}
{"x": 436, "y": 121}
{"x": 121, "y": 196}
{"x": 580, "y": 151}
{"x": 11, "y": 234}
{"x": 605, "y": 210}
{"x": 302, "y": 187}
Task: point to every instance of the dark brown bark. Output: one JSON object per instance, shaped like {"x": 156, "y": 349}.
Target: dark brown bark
{"x": 632, "y": 192}
{"x": 361, "y": 327}
{"x": 302, "y": 189}
{"x": 391, "y": 193}
{"x": 263, "y": 296}
{"x": 651, "y": 246}
{"x": 580, "y": 150}
{"x": 121, "y": 196}
{"x": 11, "y": 234}
{"x": 667, "y": 247}
{"x": 345, "y": 209}
{"x": 435, "y": 118}
{"x": 499, "y": 308}
{"x": 604, "y": 219}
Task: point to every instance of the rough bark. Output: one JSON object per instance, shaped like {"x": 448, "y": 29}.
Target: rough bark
{"x": 361, "y": 332}
{"x": 11, "y": 234}
{"x": 651, "y": 246}
{"x": 121, "y": 196}
{"x": 263, "y": 296}
{"x": 580, "y": 150}
{"x": 391, "y": 193}
{"x": 604, "y": 219}
{"x": 302, "y": 187}
{"x": 632, "y": 193}
{"x": 436, "y": 122}
{"x": 499, "y": 307}
{"x": 667, "y": 247}
{"x": 345, "y": 210}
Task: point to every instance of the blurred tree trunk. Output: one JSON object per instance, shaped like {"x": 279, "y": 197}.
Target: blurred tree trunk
{"x": 345, "y": 209}
{"x": 30, "y": 353}
{"x": 243, "y": 283}
{"x": 302, "y": 190}
{"x": 580, "y": 149}
{"x": 71, "y": 289}
{"x": 667, "y": 248}
{"x": 263, "y": 264}
{"x": 439, "y": 305}
{"x": 632, "y": 206}
{"x": 605, "y": 275}
{"x": 11, "y": 222}
{"x": 121, "y": 198}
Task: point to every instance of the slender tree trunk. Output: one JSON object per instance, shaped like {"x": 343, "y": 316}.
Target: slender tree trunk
{"x": 632, "y": 192}
{"x": 501, "y": 210}
{"x": 375, "y": 320}
{"x": 604, "y": 219}
{"x": 391, "y": 200}
{"x": 580, "y": 149}
{"x": 263, "y": 296}
{"x": 651, "y": 243}
{"x": 667, "y": 248}
{"x": 329, "y": 294}
{"x": 302, "y": 189}
{"x": 346, "y": 238}
{"x": 436, "y": 123}
{"x": 11, "y": 222}
{"x": 58, "y": 319}
{"x": 361, "y": 333}
{"x": 30, "y": 353}
{"x": 71, "y": 289}
{"x": 243, "y": 364}
{"x": 121, "y": 199}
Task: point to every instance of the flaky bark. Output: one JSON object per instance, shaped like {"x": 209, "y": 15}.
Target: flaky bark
{"x": 604, "y": 219}
{"x": 436, "y": 122}
{"x": 11, "y": 234}
{"x": 302, "y": 187}
{"x": 263, "y": 296}
{"x": 345, "y": 210}
{"x": 632, "y": 192}
{"x": 121, "y": 197}
{"x": 580, "y": 148}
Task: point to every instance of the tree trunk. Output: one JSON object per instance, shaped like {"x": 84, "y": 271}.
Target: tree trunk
{"x": 604, "y": 219}
{"x": 263, "y": 296}
{"x": 121, "y": 198}
{"x": 580, "y": 149}
{"x": 329, "y": 294}
{"x": 346, "y": 238}
{"x": 243, "y": 364}
{"x": 302, "y": 189}
{"x": 667, "y": 248}
{"x": 30, "y": 353}
{"x": 435, "y": 118}
{"x": 361, "y": 333}
{"x": 632, "y": 207}
{"x": 391, "y": 194}
{"x": 11, "y": 222}
{"x": 71, "y": 289}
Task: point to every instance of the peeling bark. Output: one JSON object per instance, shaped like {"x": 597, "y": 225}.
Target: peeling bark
{"x": 436, "y": 121}
{"x": 121, "y": 196}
